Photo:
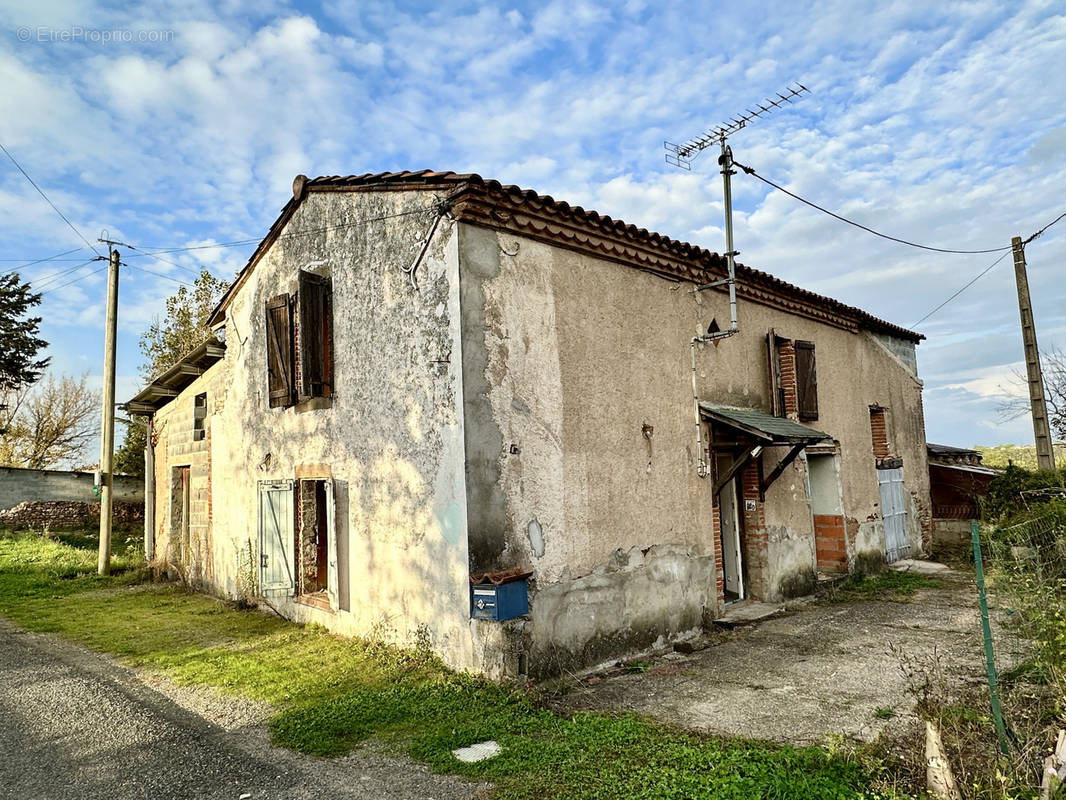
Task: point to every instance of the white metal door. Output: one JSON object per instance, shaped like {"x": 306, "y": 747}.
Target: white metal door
{"x": 275, "y": 536}
{"x": 894, "y": 513}
{"x": 731, "y": 566}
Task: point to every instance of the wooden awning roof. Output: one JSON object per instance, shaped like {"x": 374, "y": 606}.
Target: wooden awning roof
{"x": 764, "y": 427}
{"x": 169, "y": 384}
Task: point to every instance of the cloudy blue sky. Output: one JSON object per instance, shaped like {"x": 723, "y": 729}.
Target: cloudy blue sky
{"x": 940, "y": 122}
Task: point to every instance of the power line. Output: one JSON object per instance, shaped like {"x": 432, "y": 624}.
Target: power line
{"x": 41, "y": 283}
{"x": 753, "y": 173}
{"x": 1041, "y": 231}
{"x": 53, "y": 205}
{"x": 165, "y": 260}
{"x": 974, "y": 280}
{"x": 80, "y": 277}
{"x": 158, "y": 274}
{"x": 987, "y": 269}
{"x": 154, "y": 251}
{"x": 56, "y": 257}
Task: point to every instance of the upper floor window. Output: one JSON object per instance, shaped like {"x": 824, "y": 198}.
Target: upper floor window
{"x": 299, "y": 343}
{"x": 793, "y": 378}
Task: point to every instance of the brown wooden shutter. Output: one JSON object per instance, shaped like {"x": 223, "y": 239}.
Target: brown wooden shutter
{"x": 806, "y": 381}
{"x": 316, "y": 362}
{"x": 777, "y": 402}
{"x": 280, "y": 377}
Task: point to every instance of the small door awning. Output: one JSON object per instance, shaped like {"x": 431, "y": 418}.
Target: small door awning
{"x": 760, "y": 430}
{"x": 763, "y": 426}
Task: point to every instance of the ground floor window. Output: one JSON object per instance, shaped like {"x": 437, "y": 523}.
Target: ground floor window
{"x": 298, "y": 540}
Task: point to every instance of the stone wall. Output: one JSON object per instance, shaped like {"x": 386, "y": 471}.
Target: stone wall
{"x": 68, "y": 514}
{"x": 19, "y": 485}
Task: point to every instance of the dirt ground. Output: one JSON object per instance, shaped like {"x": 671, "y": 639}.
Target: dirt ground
{"x": 822, "y": 668}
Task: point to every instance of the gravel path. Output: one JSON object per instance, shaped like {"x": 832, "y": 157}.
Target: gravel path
{"x": 74, "y": 725}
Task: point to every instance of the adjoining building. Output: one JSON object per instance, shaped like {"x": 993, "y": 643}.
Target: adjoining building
{"x": 957, "y": 483}
{"x": 422, "y": 378}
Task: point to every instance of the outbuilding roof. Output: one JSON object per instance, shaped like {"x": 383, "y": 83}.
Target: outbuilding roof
{"x": 505, "y": 207}
{"x": 168, "y": 385}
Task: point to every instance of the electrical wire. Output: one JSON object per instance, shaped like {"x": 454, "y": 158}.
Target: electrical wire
{"x": 154, "y": 251}
{"x": 158, "y": 274}
{"x": 42, "y": 283}
{"x": 80, "y": 277}
{"x": 56, "y": 257}
{"x": 987, "y": 269}
{"x": 53, "y": 205}
{"x": 1041, "y": 231}
{"x": 754, "y": 174}
{"x": 165, "y": 260}
{"x": 974, "y": 280}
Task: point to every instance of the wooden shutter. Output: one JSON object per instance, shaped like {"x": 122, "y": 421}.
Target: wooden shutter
{"x": 777, "y": 401}
{"x": 280, "y": 378}
{"x": 275, "y": 537}
{"x": 316, "y": 363}
{"x": 806, "y": 381}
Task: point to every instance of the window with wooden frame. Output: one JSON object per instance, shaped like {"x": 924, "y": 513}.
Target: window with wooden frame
{"x": 806, "y": 381}
{"x": 299, "y": 332}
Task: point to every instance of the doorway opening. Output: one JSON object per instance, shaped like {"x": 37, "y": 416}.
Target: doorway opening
{"x": 827, "y": 512}
{"x": 730, "y": 535}
{"x": 315, "y": 543}
{"x": 180, "y": 511}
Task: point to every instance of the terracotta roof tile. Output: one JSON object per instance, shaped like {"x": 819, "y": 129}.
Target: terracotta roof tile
{"x": 482, "y": 201}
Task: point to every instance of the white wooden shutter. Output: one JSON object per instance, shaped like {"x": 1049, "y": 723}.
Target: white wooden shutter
{"x": 275, "y": 537}
{"x": 331, "y": 544}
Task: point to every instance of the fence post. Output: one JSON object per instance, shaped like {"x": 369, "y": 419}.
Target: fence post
{"x": 990, "y": 661}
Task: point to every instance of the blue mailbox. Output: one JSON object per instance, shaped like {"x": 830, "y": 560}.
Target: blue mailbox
{"x": 500, "y": 595}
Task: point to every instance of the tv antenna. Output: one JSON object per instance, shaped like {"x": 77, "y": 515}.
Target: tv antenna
{"x": 681, "y": 155}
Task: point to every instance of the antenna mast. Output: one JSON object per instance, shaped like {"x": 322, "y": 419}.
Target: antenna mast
{"x": 681, "y": 155}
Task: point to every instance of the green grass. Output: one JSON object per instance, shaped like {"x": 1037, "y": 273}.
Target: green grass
{"x": 330, "y": 693}
{"x": 888, "y": 585}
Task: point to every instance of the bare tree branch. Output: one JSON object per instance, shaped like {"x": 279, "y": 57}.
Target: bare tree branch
{"x": 48, "y": 425}
{"x": 1053, "y": 363}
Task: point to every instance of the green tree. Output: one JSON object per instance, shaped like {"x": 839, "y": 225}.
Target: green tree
{"x": 183, "y": 327}
{"x": 129, "y": 458}
{"x": 19, "y": 343}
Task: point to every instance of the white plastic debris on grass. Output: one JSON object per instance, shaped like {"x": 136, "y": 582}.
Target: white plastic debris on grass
{"x": 477, "y": 752}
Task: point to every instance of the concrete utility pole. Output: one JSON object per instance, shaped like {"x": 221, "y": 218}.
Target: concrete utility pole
{"x": 107, "y": 423}
{"x": 1045, "y": 453}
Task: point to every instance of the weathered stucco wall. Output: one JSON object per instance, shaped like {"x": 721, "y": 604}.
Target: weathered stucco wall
{"x": 567, "y": 358}
{"x": 391, "y": 437}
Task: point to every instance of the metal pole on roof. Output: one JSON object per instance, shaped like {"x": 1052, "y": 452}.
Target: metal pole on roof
{"x": 105, "y": 479}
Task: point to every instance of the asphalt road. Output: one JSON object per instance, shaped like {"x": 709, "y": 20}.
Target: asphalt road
{"x": 75, "y": 725}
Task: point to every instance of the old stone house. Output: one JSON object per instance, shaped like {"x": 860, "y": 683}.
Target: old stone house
{"x": 422, "y": 377}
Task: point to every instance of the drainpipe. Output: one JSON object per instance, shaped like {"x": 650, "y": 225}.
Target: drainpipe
{"x": 725, "y": 160}
{"x": 149, "y": 495}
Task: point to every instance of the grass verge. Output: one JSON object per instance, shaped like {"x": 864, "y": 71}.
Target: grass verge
{"x": 332, "y": 693}
{"x": 899, "y": 587}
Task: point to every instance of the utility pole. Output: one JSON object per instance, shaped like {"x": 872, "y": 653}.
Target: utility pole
{"x": 1045, "y": 453}
{"x": 107, "y": 423}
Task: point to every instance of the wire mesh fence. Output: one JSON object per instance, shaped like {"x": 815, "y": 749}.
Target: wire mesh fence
{"x": 1025, "y": 566}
